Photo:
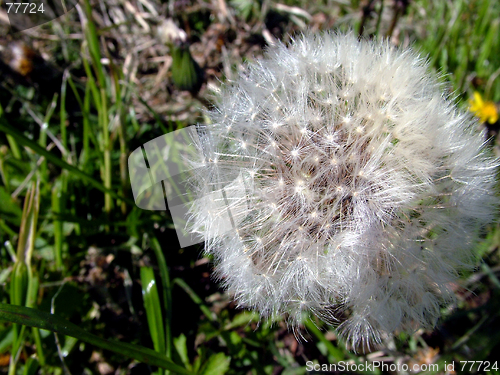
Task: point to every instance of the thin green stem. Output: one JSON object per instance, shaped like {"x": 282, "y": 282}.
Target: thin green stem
{"x": 60, "y": 163}
{"x": 35, "y": 318}
{"x": 167, "y": 294}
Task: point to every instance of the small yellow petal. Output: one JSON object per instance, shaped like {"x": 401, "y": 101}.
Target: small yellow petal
{"x": 486, "y": 111}
{"x": 476, "y": 102}
{"x": 478, "y": 98}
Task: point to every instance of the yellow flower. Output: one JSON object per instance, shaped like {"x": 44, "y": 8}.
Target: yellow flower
{"x": 485, "y": 110}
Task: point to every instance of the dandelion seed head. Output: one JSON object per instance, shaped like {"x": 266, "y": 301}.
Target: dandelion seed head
{"x": 362, "y": 187}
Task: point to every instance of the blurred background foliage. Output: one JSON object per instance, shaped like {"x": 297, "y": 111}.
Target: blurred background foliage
{"x": 78, "y": 94}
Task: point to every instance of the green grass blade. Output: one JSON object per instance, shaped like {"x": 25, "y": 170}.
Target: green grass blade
{"x": 91, "y": 81}
{"x": 196, "y": 299}
{"x": 62, "y": 111}
{"x": 60, "y": 163}
{"x": 30, "y": 302}
{"x": 31, "y": 366}
{"x": 50, "y": 322}
{"x": 103, "y": 115}
{"x": 334, "y": 352}
{"x": 57, "y": 206}
{"x": 87, "y": 132}
{"x": 93, "y": 40}
{"x": 22, "y": 283}
{"x": 42, "y": 141}
{"x": 156, "y": 116}
{"x": 167, "y": 295}
{"x": 217, "y": 364}
{"x": 19, "y": 283}
{"x": 153, "y": 308}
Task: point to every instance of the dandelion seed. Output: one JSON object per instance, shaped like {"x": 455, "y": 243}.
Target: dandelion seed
{"x": 382, "y": 223}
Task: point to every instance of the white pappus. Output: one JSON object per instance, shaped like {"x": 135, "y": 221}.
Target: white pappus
{"x": 356, "y": 188}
